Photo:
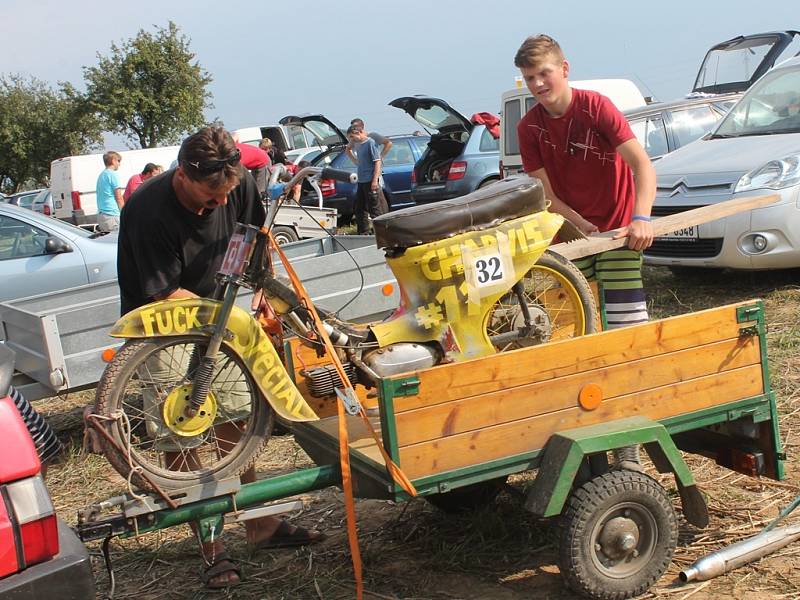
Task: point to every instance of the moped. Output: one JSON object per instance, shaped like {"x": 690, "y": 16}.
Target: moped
{"x": 191, "y": 396}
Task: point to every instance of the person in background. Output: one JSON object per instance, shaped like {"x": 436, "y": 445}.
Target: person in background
{"x": 257, "y": 162}
{"x": 150, "y": 170}
{"x": 382, "y": 141}
{"x": 276, "y": 155}
{"x": 109, "y": 193}
{"x": 369, "y": 202}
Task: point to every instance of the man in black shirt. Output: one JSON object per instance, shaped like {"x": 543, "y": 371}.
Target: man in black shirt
{"x": 173, "y": 236}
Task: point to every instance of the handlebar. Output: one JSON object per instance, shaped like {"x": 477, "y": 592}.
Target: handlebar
{"x": 339, "y": 175}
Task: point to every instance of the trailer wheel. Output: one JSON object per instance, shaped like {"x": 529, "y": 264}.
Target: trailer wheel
{"x": 559, "y": 301}
{"x": 284, "y": 235}
{"x": 618, "y": 533}
{"x": 139, "y": 401}
{"x": 467, "y": 498}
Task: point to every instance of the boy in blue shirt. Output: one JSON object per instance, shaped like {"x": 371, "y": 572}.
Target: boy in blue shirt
{"x": 369, "y": 196}
{"x": 109, "y": 193}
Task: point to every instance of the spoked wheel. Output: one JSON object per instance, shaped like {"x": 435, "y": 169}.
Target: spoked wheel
{"x": 559, "y": 300}
{"x": 141, "y": 397}
{"x": 618, "y": 535}
{"x": 468, "y": 498}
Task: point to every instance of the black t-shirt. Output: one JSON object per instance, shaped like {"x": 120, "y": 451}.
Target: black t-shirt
{"x": 163, "y": 246}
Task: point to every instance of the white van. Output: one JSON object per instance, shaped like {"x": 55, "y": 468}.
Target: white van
{"x": 73, "y": 179}
{"x": 515, "y": 103}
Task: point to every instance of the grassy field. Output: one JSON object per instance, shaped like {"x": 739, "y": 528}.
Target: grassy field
{"x": 412, "y": 551}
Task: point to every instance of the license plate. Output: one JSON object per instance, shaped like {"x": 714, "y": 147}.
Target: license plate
{"x": 236, "y": 256}
{"x": 687, "y": 234}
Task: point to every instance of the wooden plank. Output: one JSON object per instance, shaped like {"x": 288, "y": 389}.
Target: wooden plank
{"x": 602, "y": 242}
{"x": 509, "y": 439}
{"x": 549, "y": 361}
{"x": 503, "y": 406}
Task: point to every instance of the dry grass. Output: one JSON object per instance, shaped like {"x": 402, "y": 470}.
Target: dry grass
{"x": 412, "y": 551}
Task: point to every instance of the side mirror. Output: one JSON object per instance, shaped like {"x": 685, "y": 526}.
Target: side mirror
{"x": 54, "y": 245}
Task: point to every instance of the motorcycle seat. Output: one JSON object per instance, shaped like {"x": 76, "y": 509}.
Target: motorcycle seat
{"x": 485, "y": 207}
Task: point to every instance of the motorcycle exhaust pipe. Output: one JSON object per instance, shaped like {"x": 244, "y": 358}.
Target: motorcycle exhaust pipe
{"x": 740, "y": 553}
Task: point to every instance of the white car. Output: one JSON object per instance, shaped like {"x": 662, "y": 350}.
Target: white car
{"x": 754, "y": 150}
{"x": 309, "y": 154}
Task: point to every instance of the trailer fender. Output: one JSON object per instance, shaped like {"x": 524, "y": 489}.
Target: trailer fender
{"x": 566, "y": 450}
{"x": 196, "y": 316}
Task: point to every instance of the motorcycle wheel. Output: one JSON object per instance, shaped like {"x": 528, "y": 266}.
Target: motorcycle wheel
{"x": 139, "y": 399}
{"x": 559, "y": 300}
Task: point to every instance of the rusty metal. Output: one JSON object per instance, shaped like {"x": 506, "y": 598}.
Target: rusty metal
{"x": 95, "y": 421}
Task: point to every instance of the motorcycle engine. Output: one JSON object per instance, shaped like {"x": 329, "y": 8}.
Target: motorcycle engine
{"x": 401, "y": 358}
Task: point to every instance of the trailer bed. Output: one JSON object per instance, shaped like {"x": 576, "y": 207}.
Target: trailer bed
{"x": 455, "y": 424}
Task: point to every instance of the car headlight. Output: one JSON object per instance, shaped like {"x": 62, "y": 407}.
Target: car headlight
{"x": 776, "y": 174}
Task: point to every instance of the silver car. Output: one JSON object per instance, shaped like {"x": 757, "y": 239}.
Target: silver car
{"x": 39, "y": 254}
{"x": 754, "y": 150}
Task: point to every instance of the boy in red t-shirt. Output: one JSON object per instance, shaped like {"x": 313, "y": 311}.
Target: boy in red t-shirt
{"x": 594, "y": 172}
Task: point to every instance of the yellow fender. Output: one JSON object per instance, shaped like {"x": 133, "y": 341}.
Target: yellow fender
{"x": 196, "y": 316}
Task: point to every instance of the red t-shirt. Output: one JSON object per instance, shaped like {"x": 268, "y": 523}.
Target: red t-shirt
{"x": 252, "y": 157}
{"x": 134, "y": 182}
{"x": 578, "y": 152}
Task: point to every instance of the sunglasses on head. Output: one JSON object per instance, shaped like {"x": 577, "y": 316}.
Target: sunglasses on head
{"x": 213, "y": 166}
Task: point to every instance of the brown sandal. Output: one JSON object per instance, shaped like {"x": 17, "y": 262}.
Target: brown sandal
{"x": 284, "y": 537}
{"x": 223, "y": 563}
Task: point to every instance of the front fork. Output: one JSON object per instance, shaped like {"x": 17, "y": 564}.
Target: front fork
{"x": 203, "y": 371}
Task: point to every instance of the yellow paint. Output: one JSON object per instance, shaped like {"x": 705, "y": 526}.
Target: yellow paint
{"x": 174, "y": 415}
{"x": 193, "y": 316}
{"x": 442, "y": 297}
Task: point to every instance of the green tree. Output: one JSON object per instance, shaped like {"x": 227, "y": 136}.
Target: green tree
{"x": 150, "y": 89}
{"x": 38, "y": 125}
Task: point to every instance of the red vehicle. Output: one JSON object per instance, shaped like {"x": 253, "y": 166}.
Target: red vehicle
{"x": 40, "y": 556}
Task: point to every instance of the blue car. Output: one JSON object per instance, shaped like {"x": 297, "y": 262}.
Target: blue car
{"x": 398, "y": 165}
{"x": 461, "y": 157}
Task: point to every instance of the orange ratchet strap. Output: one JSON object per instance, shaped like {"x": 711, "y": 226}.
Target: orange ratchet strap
{"x": 344, "y": 449}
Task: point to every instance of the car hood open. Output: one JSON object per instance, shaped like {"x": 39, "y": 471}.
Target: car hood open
{"x": 735, "y": 64}
{"x": 433, "y": 114}
{"x": 323, "y": 130}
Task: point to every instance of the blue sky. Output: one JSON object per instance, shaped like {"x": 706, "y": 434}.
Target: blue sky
{"x": 346, "y": 59}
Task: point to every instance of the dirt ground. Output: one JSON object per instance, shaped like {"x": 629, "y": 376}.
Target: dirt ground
{"x": 413, "y": 551}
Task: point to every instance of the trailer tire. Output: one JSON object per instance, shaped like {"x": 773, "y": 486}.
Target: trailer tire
{"x": 284, "y": 235}
{"x": 617, "y": 536}
{"x": 468, "y": 498}
{"x": 121, "y": 391}
{"x": 559, "y": 298}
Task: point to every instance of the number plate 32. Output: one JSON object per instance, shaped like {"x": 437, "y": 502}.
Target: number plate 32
{"x": 487, "y": 270}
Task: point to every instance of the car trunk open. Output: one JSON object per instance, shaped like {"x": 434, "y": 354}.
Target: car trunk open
{"x": 449, "y": 131}
{"x": 323, "y": 130}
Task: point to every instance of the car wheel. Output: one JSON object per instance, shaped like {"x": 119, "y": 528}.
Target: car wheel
{"x": 284, "y": 235}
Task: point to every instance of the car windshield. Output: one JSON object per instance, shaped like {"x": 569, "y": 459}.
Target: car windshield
{"x": 772, "y": 106}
